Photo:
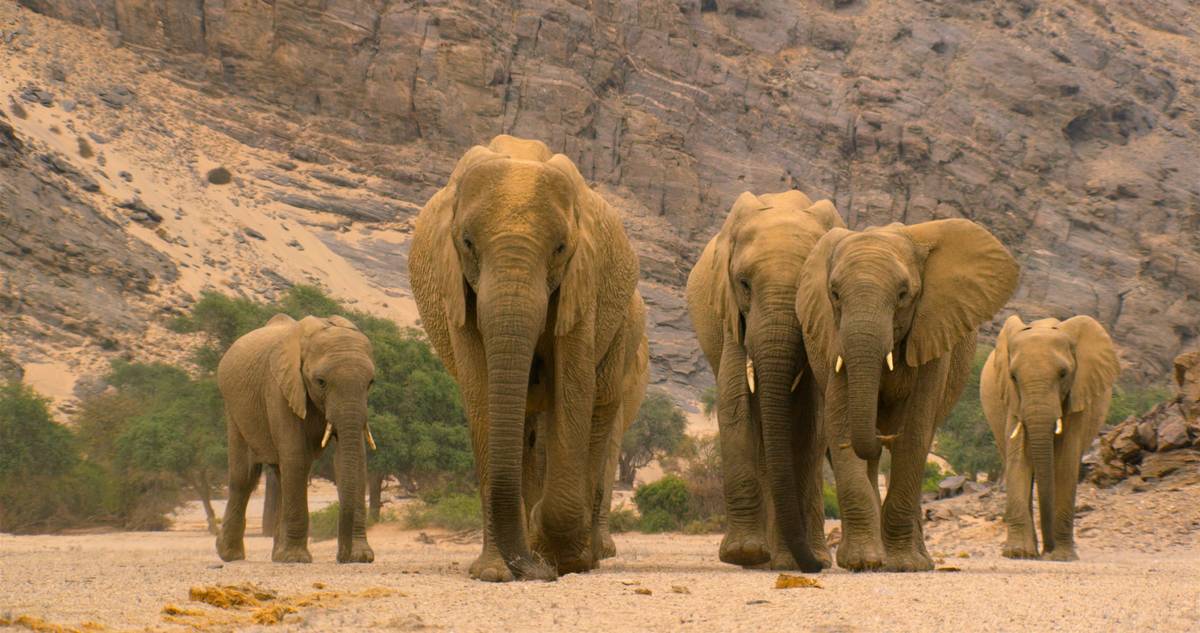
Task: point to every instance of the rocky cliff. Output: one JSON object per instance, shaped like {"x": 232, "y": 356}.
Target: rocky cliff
{"x": 1068, "y": 128}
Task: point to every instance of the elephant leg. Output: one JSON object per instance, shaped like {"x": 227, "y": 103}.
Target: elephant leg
{"x": 809, "y": 441}
{"x": 243, "y": 477}
{"x": 743, "y": 468}
{"x": 291, "y": 537}
{"x": 608, "y": 548}
{"x": 1066, "y": 479}
{"x": 489, "y": 565}
{"x": 270, "y": 518}
{"x": 861, "y": 548}
{"x": 904, "y": 545}
{"x": 600, "y": 466}
{"x": 1018, "y": 506}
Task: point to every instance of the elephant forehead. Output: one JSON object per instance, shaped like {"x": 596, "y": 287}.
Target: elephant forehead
{"x": 515, "y": 186}
{"x": 778, "y": 232}
{"x": 1040, "y": 348}
{"x": 874, "y": 252}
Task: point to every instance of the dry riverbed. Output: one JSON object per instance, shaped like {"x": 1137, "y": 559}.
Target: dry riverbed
{"x": 122, "y": 581}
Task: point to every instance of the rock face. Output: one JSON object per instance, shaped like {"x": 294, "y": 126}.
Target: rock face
{"x": 1069, "y": 129}
{"x": 1150, "y": 445}
{"x": 65, "y": 267}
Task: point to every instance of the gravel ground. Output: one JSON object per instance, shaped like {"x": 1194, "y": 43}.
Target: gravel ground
{"x": 123, "y": 581}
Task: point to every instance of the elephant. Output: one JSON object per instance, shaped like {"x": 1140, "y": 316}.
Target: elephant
{"x": 890, "y": 316}
{"x": 527, "y": 286}
{"x": 289, "y": 387}
{"x": 1045, "y": 391}
{"x": 741, "y": 297}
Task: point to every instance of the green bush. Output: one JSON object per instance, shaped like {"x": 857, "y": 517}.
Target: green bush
{"x": 710, "y": 525}
{"x": 933, "y": 476}
{"x": 656, "y": 432}
{"x": 323, "y": 524}
{"x": 964, "y": 438}
{"x": 831, "y": 502}
{"x": 1131, "y": 399}
{"x": 452, "y": 511}
{"x": 622, "y": 519}
{"x": 664, "y": 504}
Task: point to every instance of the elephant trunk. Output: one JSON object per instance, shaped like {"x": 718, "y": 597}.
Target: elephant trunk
{"x": 350, "y": 420}
{"x": 778, "y": 359}
{"x": 1039, "y": 426}
{"x": 865, "y": 343}
{"x": 512, "y": 315}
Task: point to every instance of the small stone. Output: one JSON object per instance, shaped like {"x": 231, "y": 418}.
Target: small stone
{"x": 126, "y": 176}
{"x": 255, "y": 234}
{"x": 67, "y": 105}
{"x": 219, "y": 176}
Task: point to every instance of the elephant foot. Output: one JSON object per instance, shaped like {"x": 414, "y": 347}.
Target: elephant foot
{"x": 291, "y": 554}
{"x": 744, "y": 548}
{"x": 230, "y": 551}
{"x": 821, "y": 553}
{"x": 1020, "y": 551}
{"x": 1061, "y": 554}
{"x": 489, "y": 567}
{"x": 862, "y": 553}
{"x": 908, "y": 560}
{"x": 359, "y": 552}
{"x": 608, "y": 548}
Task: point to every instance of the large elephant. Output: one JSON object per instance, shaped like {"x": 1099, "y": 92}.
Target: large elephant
{"x": 288, "y": 387}
{"x": 1045, "y": 391}
{"x": 742, "y": 299}
{"x": 890, "y": 316}
{"x": 527, "y": 286}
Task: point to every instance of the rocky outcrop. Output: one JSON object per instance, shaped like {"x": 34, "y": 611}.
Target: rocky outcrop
{"x": 1069, "y": 129}
{"x": 1158, "y": 443}
{"x": 67, "y": 269}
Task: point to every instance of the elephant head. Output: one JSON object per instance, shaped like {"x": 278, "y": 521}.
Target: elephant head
{"x": 759, "y": 254}
{"x": 1044, "y": 372}
{"x": 516, "y": 266}
{"x": 326, "y": 364}
{"x": 908, "y": 294}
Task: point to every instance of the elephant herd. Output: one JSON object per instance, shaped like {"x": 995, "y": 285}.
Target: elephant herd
{"x": 826, "y": 344}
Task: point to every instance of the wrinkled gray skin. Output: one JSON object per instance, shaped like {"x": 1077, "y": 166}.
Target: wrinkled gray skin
{"x": 527, "y": 286}
{"x": 741, "y": 297}
{"x": 915, "y": 295}
{"x": 282, "y": 383}
{"x": 1045, "y": 390}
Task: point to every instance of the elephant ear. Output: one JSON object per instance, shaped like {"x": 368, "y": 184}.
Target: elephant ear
{"x": 1096, "y": 364}
{"x": 813, "y": 307}
{"x": 968, "y": 276}
{"x": 1012, "y": 325}
{"x": 723, "y": 248}
{"x": 826, "y": 215}
{"x": 438, "y": 214}
{"x": 577, "y": 292}
{"x": 285, "y": 361}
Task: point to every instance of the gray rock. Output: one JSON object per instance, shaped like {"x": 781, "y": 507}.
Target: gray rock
{"x": 1173, "y": 430}
{"x": 116, "y": 97}
{"x": 139, "y": 211}
{"x": 253, "y": 233}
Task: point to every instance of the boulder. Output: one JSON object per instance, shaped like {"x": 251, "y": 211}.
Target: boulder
{"x": 951, "y": 486}
{"x": 1172, "y": 429}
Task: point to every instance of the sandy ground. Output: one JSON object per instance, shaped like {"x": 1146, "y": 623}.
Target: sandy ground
{"x": 123, "y": 581}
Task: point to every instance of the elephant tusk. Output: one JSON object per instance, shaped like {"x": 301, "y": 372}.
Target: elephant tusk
{"x": 1058, "y": 427}
{"x": 750, "y": 374}
{"x": 1016, "y": 429}
{"x": 371, "y": 440}
{"x": 891, "y": 365}
{"x": 796, "y": 382}
{"x": 328, "y": 432}
{"x": 887, "y": 440}
{"x": 844, "y": 446}
{"x": 837, "y": 368}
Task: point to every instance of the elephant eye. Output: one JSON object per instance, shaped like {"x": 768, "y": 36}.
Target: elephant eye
{"x": 745, "y": 283}
{"x": 835, "y": 295}
{"x": 468, "y": 243}
{"x": 560, "y": 249}
{"x": 321, "y": 383}
{"x": 1013, "y": 375}
{"x": 903, "y": 294}
{"x": 1062, "y": 373}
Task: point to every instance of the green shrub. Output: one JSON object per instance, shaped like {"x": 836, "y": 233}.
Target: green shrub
{"x": 933, "y": 476}
{"x": 658, "y": 520}
{"x": 709, "y": 525}
{"x": 664, "y": 505}
{"x": 964, "y": 438}
{"x": 831, "y": 503}
{"x": 452, "y": 511}
{"x": 1131, "y": 399}
{"x": 323, "y": 524}
{"x": 622, "y": 519}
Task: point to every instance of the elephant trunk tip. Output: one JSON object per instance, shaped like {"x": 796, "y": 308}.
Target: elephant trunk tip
{"x": 535, "y": 568}
{"x": 868, "y": 450}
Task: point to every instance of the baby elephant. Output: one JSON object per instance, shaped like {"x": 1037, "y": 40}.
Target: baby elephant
{"x": 1045, "y": 391}
{"x": 288, "y": 387}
